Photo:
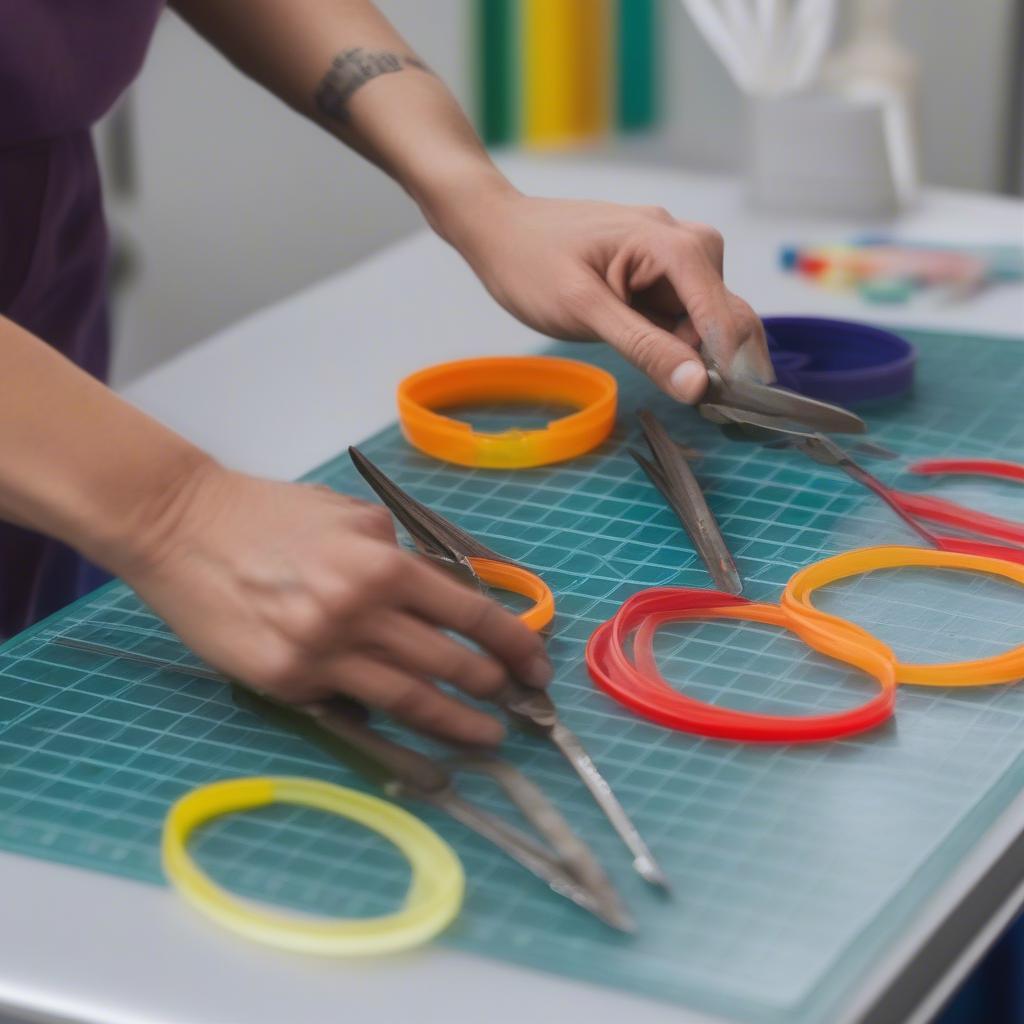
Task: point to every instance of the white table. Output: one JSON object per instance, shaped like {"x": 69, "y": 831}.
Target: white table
{"x": 281, "y": 392}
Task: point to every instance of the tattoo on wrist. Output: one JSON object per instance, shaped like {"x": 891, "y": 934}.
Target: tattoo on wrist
{"x": 351, "y": 70}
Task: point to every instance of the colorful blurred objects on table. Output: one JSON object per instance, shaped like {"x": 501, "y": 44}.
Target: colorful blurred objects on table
{"x": 884, "y": 270}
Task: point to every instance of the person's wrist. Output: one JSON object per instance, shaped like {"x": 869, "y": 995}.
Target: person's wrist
{"x": 148, "y": 519}
{"x": 462, "y": 202}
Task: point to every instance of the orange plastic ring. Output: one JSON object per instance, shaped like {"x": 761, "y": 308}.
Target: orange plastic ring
{"x": 518, "y": 580}
{"x": 502, "y": 379}
{"x": 816, "y": 626}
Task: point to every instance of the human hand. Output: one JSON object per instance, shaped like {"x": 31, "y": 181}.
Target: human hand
{"x": 634, "y": 276}
{"x": 302, "y": 593}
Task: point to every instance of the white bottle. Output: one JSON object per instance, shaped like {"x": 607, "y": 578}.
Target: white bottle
{"x": 874, "y": 65}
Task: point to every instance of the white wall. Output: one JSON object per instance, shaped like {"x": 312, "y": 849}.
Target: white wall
{"x": 241, "y": 202}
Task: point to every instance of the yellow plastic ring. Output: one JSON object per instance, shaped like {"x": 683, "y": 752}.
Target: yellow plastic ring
{"x": 507, "y": 379}
{"x": 432, "y": 902}
{"x": 796, "y": 600}
{"x": 517, "y": 580}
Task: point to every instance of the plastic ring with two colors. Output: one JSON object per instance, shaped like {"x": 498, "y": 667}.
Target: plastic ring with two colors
{"x": 517, "y": 580}
{"x": 638, "y": 684}
{"x": 796, "y": 601}
{"x": 432, "y": 902}
{"x": 504, "y": 379}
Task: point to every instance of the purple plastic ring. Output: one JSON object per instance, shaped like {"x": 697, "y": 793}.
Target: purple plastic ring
{"x": 839, "y": 361}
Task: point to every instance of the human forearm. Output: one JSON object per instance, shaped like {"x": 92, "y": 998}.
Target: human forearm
{"x": 637, "y": 277}
{"x": 295, "y": 590}
{"x": 79, "y": 463}
{"x": 341, "y": 63}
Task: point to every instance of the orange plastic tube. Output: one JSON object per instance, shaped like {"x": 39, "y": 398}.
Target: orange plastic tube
{"x": 541, "y": 379}
{"x": 816, "y": 626}
{"x": 517, "y": 580}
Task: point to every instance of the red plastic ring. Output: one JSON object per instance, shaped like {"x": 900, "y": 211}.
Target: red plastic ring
{"x": 638, "y": 684}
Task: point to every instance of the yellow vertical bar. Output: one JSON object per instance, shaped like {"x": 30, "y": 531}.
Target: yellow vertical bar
{"x": 566, "y": 70}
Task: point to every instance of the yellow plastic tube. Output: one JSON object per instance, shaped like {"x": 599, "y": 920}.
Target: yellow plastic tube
{"x": 816, "y": 625}
{"x": 540, "y": 379}
{"x": 432, "y": 902}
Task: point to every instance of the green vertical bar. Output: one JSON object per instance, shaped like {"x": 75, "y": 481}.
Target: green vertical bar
{"x": 496, "y": 22}
{"x": 637, "y": 47}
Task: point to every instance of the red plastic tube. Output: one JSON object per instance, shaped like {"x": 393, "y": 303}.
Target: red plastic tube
{"x": 948, "y": 513}
{"x": 937, "y": 510}
{"x": 970, "y": 467}
{"x": 638, "y": 685}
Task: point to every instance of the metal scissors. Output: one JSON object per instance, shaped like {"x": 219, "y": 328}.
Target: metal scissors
{"x": 733, "y": 394}
{"x": 992, "y": 536}
{"x": 528, "y": 708}
{"x": 341, "y": 727}
{"x": 670, "y": 472}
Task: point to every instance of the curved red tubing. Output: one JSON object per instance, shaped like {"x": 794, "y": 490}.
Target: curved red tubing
{"x": 970, "y": 467}
{"x": 638, "y": 685}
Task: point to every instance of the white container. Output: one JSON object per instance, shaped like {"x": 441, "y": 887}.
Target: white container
{"x": 827, "y": 154}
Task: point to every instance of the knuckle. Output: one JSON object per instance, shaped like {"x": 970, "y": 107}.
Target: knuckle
{"x": 710, "y": 239}
{"x": 578, "y": 293}
{"x": 491, "y": 677}
{"x": 338, "y": 598}
{"x": 304, "y": 620}
{"x": 478, "y": 674}
{"x": 476, "y": 615}
{"x": 658, "y": 213}
{"x": 375, "y": 520}
{"x": 276, "y": 669}
{"x": 746, "y": 319}
{"x": 640, "y": 345}
{"x": 387, "y": 567}
{"x": 410, "y": 702}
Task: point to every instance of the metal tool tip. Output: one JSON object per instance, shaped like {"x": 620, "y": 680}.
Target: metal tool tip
{"x": 619, "y": 919}
{"x": 732, "y": 582}
{"x": 648, "y": 869}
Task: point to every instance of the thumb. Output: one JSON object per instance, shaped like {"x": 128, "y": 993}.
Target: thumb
{"x": 672, "y": 364}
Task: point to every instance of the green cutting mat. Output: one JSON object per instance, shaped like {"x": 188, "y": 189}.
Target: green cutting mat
{"x": 795, "y": 868}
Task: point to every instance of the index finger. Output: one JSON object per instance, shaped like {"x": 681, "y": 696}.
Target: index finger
{"x": 436, "y": 597}
{"x": 702, "y": 292}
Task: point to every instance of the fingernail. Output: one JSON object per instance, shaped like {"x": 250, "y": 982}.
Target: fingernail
{"x": 688, "y": 381}
{"x": 539, "y": 672}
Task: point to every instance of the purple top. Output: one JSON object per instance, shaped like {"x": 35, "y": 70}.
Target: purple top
{"x": 63, "y": 63}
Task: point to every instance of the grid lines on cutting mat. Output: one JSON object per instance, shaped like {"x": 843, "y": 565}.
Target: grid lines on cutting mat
{"x": 794, "y": 867}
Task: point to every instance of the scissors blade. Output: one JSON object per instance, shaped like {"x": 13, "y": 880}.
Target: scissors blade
{"x": 198, "y": 671}
{"x": 431, "y": 532}
{"x": 760, "y": 398}
{"x": 573, "y": 855}
{"x": 530, "y": 855}
{"x": 339, "y": 726}
{"x": 644, "y": 863}
{"x": 671, "y": 474}
{"x": 745, "y": 425}
{"x": 536, "y": 711}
